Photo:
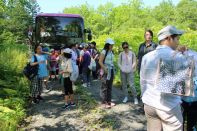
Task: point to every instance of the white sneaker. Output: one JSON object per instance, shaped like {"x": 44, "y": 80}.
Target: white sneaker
{"x": 89, "y": 84}
{"x": 84, "y": 85}
{"x": 125, "y": 100}
{"x": 136, "y": 101}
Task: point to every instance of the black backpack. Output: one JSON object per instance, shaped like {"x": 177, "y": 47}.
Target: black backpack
{"x": 31, "y": 71}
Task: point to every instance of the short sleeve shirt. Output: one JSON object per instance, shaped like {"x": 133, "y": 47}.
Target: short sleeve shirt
{"x": 42, "y": 70}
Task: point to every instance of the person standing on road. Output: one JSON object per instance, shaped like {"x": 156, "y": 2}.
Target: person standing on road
{"x": 190, "y": 103}
{"x": 36, "y": 82}
{"x": 47, "y": 56}
{"x": 80, "y": 60}
{"x": 74, "y": 53}
{"x": 106, "y": 61}
{"x": 94, "y": 55}
{"x": 53, "y": 63}
{"x": 66, "y": 70}
{"x": 127, "y": 64}
{"x": 145, "y": 47}
{"x": 162, "y": 110}
{"x": 85, "y": 69}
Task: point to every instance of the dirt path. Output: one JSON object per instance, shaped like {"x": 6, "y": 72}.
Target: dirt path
{"x": 48, "y": 114}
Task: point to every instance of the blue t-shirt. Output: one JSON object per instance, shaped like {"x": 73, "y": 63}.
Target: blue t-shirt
{"x": 42, "y": 71}
{"x": 46, "y": 56}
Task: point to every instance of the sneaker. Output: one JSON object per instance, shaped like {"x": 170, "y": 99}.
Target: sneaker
{"x": 62, "y": 95}
{"x": 107, "y": 106}
{"x": 125, "y": 100}
{"x": 39, "y": 98}
{"x": 112, "y": 104}
{"x": 136, "y": 101}
{"x": 89, "y": 84}
{"x": 66, "y": 106}
{"x": 84, "y": 85}
{"x": 35, "y": 101}
{"x": 72, "y": 104}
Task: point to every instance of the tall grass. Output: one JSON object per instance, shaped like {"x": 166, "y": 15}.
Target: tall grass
{"x": 13, "y": 86}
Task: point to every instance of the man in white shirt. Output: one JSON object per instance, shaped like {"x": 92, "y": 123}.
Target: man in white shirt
{"x": 127, "y": 63}
{"x": 163, "y": 111}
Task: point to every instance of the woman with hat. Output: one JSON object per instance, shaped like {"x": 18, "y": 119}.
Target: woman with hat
{"x": 106, "y": 62}
{"x": 66, "y": 70}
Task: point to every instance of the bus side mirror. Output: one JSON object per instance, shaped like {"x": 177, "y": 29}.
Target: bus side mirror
{"x": 87, "y": 31}
{"x": 89, "y": 36}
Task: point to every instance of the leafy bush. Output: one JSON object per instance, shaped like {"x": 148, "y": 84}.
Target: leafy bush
{"x": 13, "y": 86}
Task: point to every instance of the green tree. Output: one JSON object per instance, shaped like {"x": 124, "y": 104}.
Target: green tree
{"x": 165, "y": 12}
{"x": 187, "y": 14}
{"x": 16, "y": 17}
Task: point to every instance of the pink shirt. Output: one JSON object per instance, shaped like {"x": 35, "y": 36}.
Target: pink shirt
{"x": 127, "y": 62}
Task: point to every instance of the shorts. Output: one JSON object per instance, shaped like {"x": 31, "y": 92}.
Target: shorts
{"x": 68, "y": 86}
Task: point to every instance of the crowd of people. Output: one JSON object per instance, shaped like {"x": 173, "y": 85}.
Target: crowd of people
{"x": 84, "y": 62}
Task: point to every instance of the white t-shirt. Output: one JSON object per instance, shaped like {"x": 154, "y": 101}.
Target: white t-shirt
{"x": 82, "y": 53}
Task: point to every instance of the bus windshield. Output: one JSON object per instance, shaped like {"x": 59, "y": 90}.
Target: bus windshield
{"x": 50, "y": 29}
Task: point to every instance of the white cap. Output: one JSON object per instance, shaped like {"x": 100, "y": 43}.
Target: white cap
{"x": 67, "y": 50}
{"x": 168, "y": 31}
{"x": 109, "y": 41}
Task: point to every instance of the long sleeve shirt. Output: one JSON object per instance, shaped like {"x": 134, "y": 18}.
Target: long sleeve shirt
{"x": 148, "y": 77}
{"x": 66, "y": 67}
{"x": 143, "y": 50}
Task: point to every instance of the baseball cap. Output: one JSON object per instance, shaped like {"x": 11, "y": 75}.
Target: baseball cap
{"x": 67, "y": 50}
{"x": 82, "y": 45}
{"x": 110, "y": 41}
{"x": 86, "y": 46}
{"x": 45, "y": 49}
{"x": 52, "y": 50}
{"x": 168, "y": 31}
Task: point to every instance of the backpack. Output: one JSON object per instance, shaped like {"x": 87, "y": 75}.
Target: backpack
{"x": 31, "y": 71}
{"x": 101, "y": 71}
{"x": 75, "y": 73}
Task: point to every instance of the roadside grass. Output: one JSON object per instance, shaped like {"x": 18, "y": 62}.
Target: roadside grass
{"x": 13, "y": 86}
{"x": 91, "y": 113}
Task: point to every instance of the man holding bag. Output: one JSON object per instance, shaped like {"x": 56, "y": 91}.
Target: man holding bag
{"x": 162, "y": 110}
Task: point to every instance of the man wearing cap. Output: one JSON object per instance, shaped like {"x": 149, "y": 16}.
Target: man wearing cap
{"x": 163, "y": 111}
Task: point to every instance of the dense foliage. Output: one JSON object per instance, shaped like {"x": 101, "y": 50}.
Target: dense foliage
{"x": 128, "y": 21}
{"x": 15, "y": 18}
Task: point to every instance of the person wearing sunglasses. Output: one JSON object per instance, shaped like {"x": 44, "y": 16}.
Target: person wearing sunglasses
{"x": 127, "y": 64}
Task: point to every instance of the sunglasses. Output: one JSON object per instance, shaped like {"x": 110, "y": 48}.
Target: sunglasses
{"x": 126, "y": 47}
